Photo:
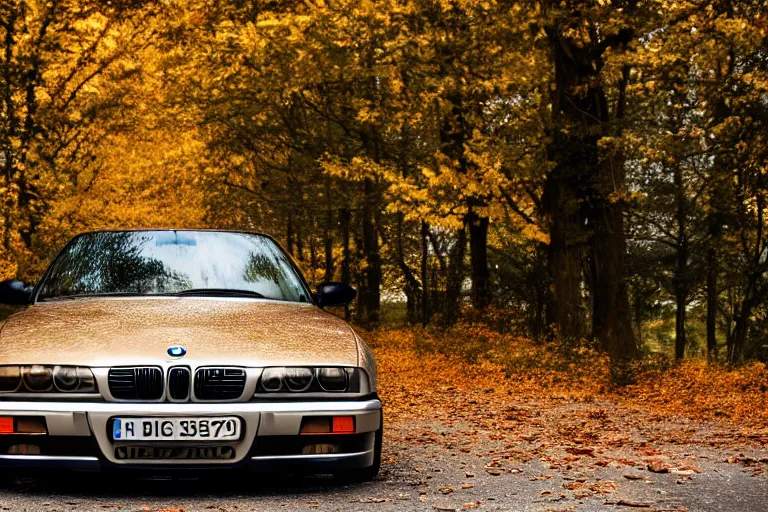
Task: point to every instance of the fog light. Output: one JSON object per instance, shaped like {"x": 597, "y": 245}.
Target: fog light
{"x": 316, "y": 425}
{"x": 24, "y": 449}
{"x": 31, "y": 425}
{"x": 318, "y": 449}
{"x": 343, "y": 424}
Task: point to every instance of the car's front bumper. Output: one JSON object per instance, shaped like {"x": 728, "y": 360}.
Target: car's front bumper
{"x": 265, "y": 425}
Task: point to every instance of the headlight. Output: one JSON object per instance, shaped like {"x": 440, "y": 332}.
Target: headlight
{"x": 297, "y": 379}
{"x": 46, "y": 379}
{"x": 37, "y": 378}
{"x": 332, "y": 379}
{"x": 10, "y": 378}
{"x": 272, "y": 380}
{"x": 310, "y": 380}
{"x": 69, "y": 379}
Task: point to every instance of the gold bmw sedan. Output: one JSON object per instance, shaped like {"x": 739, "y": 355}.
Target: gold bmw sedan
{"x": 162, "y": 348}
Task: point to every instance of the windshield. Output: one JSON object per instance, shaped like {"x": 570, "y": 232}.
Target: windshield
{"x": 173, "y": 262}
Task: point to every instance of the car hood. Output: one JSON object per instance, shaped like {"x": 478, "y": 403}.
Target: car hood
{"x": 130, "y": 331}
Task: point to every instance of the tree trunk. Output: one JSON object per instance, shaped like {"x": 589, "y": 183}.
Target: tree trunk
{"x": 478, "y": 247}
{"x": 289, "y": 234}
{"x": 539, "y": 281}
{"x": 346, "y": 219}
{"x": 372, "y": 291}
{"x": 299, "y": 243}
{"x": 754, "y": 292}
{"x": 719, "y": 176}
{"x": 681, "y": 271}
{"x": 424, "y": 273}
{"x": 328, "y": 246}
{"x": 681, "y": 299}
{"x": 739, "y": 334}
{"x": 564, "y": 311}
{"x": 454, "y": 133}
{"x": 452, "y": 305}
{"x": 361, "y": 311}
{"x": 711, "y": 304}
{"x": 581, "y": 118}
{"x": 412, "y": 288}
{"x": 741, "y": 328}
{"x": 611, "y": 324}
{"x": 639, "y": 306}
{"x": 10, "y": 203}
{"x": 312, "y": 255}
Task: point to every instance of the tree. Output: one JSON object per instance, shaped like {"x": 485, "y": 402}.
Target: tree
{"x": 60, "y": 70}
{"x": 703, "y": 77}
{"x": 585, "y": 191}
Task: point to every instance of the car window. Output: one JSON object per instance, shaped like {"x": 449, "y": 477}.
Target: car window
{"x": 170, "y": 262}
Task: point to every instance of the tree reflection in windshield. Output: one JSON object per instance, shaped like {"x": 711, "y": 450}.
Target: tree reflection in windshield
{"x": 265, "y": 266}
{"x": 260, "y": 266}
{"x": 111, "y": 263}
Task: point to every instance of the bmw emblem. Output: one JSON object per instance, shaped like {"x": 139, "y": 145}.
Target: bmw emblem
{"x": 176, "y": 351}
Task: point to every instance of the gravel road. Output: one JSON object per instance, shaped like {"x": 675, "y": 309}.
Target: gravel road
{"x": 437, "y": 465}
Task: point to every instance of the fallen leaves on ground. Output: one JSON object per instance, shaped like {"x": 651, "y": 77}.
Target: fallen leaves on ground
{"x": 558, "y": 407}
{"x": 472, "y": 357}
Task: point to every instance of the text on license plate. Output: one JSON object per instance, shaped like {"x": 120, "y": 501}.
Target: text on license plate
{"x": 214, "y": 428}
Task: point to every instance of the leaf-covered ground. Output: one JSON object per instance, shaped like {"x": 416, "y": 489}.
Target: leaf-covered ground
{"x": 474, "y": 358}
{"x": 518, "y": 409}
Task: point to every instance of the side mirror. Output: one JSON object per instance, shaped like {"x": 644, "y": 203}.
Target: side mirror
{"x": 15, "y": 293}
{"x": 334, "y": 294}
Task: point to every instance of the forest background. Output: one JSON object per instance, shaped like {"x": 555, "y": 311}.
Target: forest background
{"x": 576, "y": 177}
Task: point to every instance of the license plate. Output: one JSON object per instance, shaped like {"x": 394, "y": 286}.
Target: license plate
{"x": 218, "y": 428}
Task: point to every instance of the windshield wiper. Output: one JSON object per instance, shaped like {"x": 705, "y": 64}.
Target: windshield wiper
{"x": 194, "y": 292}
{"x": 91, "y": 295}
{"x": 219, "y": 292}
